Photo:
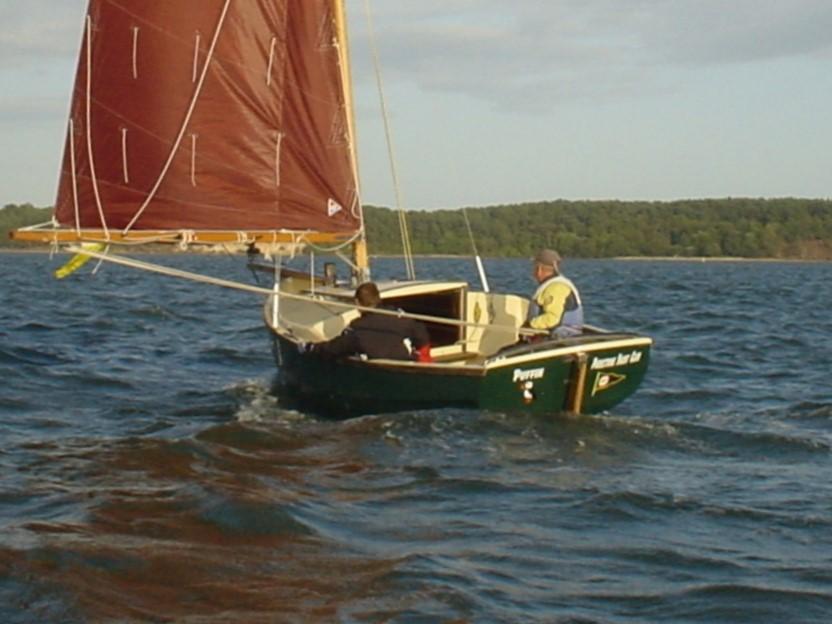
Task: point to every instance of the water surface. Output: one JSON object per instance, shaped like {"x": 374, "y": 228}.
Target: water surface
{"x": 148, "y": 473}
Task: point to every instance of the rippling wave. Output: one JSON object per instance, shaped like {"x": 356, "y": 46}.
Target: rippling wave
{"x": 150, "y": 473}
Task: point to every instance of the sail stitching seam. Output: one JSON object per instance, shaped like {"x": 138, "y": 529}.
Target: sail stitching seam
{"x": 277, "y": 149}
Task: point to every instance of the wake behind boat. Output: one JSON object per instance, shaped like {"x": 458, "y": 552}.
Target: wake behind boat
{"x": 219, "y": 123}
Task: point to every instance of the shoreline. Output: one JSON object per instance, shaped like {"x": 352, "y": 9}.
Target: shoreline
{"x": 715, "y": 259}
{"x": 702, "y": 259}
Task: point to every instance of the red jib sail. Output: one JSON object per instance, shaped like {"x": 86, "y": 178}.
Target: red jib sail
{"x": 210, "y": 115}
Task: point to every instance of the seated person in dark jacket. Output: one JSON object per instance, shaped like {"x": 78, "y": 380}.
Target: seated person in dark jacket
{"x": 377, "y": 335}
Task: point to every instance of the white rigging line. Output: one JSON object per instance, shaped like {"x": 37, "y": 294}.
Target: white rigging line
{"x": 71, "y": 144}
{"x": 408, "y": 253}
{"x": 224, "y": 283}
{"x": 88, "y": 113}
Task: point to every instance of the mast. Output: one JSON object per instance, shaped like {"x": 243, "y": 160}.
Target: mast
{"x": 360, "y": 255}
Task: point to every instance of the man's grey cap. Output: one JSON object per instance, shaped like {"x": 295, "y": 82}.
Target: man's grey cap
{"x": 547, "y": 257}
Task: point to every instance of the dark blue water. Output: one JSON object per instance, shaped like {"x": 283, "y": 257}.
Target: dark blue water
{"x": 148, "y": 474}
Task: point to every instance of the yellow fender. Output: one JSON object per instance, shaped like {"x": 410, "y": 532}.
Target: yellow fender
{"x": 78, "y": 260}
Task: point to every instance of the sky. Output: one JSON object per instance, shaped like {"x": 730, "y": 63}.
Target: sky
{"x": 495, "y": 102}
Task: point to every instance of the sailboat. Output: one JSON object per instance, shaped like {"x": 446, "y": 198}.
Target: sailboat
{"x": 226, "y": 123}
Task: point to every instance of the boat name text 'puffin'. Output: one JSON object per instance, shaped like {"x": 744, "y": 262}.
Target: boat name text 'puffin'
{"x": 527, "y": 375}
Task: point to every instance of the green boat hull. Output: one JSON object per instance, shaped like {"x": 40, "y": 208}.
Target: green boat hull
{"x": 580, "y": 375}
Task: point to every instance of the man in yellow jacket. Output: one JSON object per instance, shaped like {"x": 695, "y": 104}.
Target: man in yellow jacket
{"x": 556, "y": 304}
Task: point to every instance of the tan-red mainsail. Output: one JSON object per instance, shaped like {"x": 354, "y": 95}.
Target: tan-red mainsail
{"x": 210, "y": 116}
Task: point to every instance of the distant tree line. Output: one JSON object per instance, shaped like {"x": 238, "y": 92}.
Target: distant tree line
{"x": 750, "y": 228}
{"x": 14, "y": 216}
